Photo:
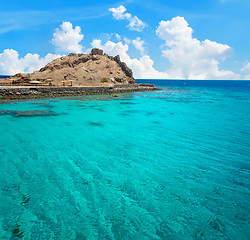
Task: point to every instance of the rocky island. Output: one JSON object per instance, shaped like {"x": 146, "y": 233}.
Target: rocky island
{"x": 75, "y": 74}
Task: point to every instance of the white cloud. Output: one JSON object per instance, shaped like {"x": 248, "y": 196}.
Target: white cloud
{"x": 246, "y": 70}
{"x": 142, "y": 68}
{"x": 67, "y": 39}
{"x": 135, "y": 24}
{"x": 139, "y": 45}
{"x": 119, "y": 13}
{"x": 10, "y": 63}
{"x": 191, "y": 58}
{"x": 118, "y": 37}
{"x": 127, "y": 40}
{"x": 33, "y": 62}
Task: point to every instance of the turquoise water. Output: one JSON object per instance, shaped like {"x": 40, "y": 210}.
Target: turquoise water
{"x": 171, "y": 164}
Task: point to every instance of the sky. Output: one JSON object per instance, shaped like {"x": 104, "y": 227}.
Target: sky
{"x": 158, "y": 39}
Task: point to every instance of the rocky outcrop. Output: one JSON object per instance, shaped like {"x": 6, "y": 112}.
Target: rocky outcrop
{"x": 123, "y": 66}
{"x": 96, "y": 51}
{"x": 94, "y": 69}
{"x": 26, "y": 92}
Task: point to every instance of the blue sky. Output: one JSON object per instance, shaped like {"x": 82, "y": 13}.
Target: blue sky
{"x": 215, "y": 44}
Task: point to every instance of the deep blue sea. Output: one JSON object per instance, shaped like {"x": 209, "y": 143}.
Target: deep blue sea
{"x": 4, "y": 76}
{"x": 170, "y": 164}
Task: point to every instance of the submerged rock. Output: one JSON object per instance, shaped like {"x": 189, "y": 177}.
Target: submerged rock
{"x": 96, "y": 124}
{"x": 17, "y": 232}
{"x": 25, "y": 199}
{"x": 32, "y": 113}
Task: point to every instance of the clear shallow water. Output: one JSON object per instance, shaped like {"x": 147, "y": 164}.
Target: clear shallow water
{"x": 171, "y": 164}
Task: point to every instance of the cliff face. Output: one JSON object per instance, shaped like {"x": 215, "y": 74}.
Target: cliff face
{"x": 94, "y": 69}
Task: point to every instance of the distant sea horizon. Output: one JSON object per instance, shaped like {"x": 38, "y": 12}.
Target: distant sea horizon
{"x": 4, "y": 76}
{"x": 236, "y": 84}
{"x": 141, "y": 79}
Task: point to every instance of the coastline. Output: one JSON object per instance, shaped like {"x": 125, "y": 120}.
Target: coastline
{"x": 8, "y": 93}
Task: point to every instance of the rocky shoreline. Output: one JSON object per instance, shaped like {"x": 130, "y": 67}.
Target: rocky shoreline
{"x": 8, "y": 93}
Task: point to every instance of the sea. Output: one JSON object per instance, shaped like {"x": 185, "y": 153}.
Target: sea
{"x": 4, "y": 76}
{"x": 169, "y": 164}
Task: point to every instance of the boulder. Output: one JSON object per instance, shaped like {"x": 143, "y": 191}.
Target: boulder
{"x": 96, "y": 51}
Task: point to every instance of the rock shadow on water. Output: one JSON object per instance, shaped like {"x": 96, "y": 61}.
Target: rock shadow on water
{"x": 30, "y": 113}
{"x": 96, "y": 124}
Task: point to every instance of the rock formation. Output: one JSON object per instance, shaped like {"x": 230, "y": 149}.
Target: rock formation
{"x": 94, "y": 69}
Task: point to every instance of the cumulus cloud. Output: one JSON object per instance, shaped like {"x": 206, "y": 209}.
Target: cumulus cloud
{"x": 119, "y": 13}
{"x": 11, "y": 63}
{"x": 191, "y": 58}
{"x": 142, "y": 68}
{"x": 67, "y": 39}
{"x": 135, "y": 24}
{"x": 139, "y": 45}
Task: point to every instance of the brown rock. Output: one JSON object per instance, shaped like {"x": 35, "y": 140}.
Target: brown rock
{"x": 96, "y": 51}
{"x": 80, "y": 70}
